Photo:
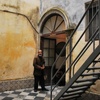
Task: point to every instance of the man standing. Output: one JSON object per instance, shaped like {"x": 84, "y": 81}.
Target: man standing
{"x": 39, "y": 66}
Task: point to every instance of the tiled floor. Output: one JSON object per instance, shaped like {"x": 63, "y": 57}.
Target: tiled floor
{"x": 26, "y": 94}
{"x": 29, "y": 94}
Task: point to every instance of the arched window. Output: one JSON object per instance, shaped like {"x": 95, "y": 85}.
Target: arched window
{"x": 53, "y": 24}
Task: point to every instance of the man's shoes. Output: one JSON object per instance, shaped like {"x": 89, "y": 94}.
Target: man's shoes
{"x": 45, "y": 89}
{"x": 35, "y": 90}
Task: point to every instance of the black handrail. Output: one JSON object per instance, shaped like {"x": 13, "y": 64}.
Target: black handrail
{"x": 71, "y": 36}
{"x": 52, "y": 77}
{"x": 99, "y": 17}
{"x": 80, "y": 54}
{"x": 76, "y": 44}
{"x": 84, "y": 32}
{"x": 68, "y": 42}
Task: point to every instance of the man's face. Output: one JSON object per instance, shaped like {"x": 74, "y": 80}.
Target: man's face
{"x": 40, "y": 53}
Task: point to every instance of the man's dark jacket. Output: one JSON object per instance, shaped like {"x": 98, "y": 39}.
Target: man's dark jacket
{"x": 38, "y": 61}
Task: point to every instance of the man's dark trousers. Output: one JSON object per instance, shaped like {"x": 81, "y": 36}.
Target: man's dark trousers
{"x": 40, "y": 80}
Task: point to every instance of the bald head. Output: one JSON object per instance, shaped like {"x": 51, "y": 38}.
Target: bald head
{"x": 39, "y": 50}
{"x": 40, "y": 53}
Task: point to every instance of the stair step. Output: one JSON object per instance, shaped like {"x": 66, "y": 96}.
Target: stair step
{"x": 85, "y": 80}
{"x": 77, "y": 89}
{"x": 73, "y": 93}
{"x": 80, "y": 85}
{"x": 70, "y": 97}
{"x": 96, "y": 61}
{"x": 89, "y": 74}
{"x": 93, "y": 68}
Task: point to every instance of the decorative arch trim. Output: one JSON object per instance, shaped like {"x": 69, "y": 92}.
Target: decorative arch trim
{"x": 51, "y": 11}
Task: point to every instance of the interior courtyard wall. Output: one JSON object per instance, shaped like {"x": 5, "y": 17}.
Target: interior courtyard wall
{"x": 19, "y": 44}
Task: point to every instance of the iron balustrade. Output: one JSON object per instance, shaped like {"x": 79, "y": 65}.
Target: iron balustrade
{"x": 84, "y": 49}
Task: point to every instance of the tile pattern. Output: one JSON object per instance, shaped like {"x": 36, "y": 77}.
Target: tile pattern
{"x": 24, "y": 94}
{"x": 16, "y": 84}
{"x": 29, "y": 94}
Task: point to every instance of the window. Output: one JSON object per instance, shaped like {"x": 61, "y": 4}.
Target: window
{"x": 53, "y": 24}
{"x": 48, "y": 48}
{"x": 93, "y": 27}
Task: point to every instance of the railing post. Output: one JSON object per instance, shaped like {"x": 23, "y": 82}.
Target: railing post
{"x": 70, "y": 59}
{"x": 98, "y": 19}
{"x": 51, "y": 83}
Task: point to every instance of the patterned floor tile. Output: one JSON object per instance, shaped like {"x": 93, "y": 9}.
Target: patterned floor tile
{"x": 8, "y": 92}
{"x": 24, "y": 93}
{"x": 39, "y": 98}
{"x": 27, "y": 91}
{"x": 15, "y": 92}
{"x": 41, "y": 95}
{"x": 12, "y": 95}
{"x": 1, "y": 97}
{"x": 8, "y": 98}
{"x": 33, "y": 94}
{"x": 20, "y": 90}
{"x": 4, "y": 94}
{"x": 30, "y": 97}
{"x": 17, "y": 99}
{"x": 20, "y": 96}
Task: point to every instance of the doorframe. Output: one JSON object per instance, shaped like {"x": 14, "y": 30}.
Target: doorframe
{"x": 41, "y": 47}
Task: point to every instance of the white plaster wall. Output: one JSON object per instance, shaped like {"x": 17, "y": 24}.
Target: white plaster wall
{"x": 74, "y": 9}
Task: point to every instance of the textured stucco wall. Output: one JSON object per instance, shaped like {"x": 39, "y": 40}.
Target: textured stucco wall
{"x": 30, "y": 8}
{"x": 74, "y": 9}
{"x": 18, "y": 40}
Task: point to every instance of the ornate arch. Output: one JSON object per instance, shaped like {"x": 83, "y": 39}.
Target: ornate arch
{"x": 52, "y": 11}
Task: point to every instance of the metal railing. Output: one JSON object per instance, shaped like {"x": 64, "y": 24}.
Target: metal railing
{"x": 90, "y": 41}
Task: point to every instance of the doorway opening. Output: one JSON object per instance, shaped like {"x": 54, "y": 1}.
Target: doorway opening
{"x": 52, "y": 41}
{"x": 48, "y": 47}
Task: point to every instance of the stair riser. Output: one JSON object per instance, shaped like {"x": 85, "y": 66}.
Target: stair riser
{"x": 91, "y": 74}
{"x": 72, "y": 94}
{"x": 81, "y": 85}
{"x": 76, "y": 90}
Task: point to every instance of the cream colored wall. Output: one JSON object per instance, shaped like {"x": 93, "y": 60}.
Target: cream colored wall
{"x": 95, "y": 88}
{"x": 18, "y": 40}
{"x": 30, "y": 8}
{"x": 79, "y": 47}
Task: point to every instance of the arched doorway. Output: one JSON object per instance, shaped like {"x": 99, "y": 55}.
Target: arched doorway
{"x": 53, "y": 37}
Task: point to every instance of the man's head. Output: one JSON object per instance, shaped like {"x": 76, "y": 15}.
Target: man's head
{"x": 40, "y": 53}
